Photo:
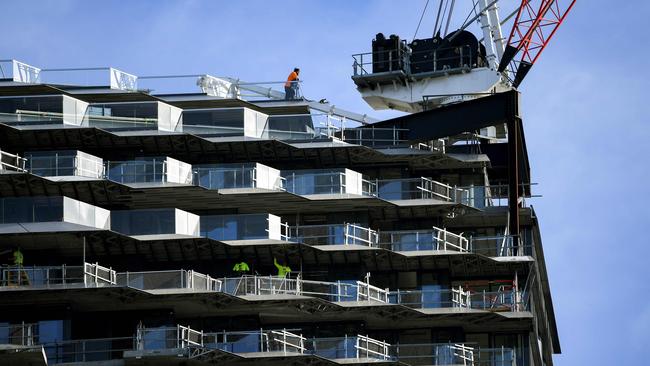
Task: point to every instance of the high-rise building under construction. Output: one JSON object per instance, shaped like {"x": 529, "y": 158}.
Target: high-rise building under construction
{"x": 148, "y": 220}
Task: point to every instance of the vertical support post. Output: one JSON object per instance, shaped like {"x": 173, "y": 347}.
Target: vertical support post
{"x": 513, "y": 179}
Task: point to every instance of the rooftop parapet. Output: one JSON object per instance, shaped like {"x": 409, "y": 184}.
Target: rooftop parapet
{"x": 19, "y": 72}
{"x": 90, "y": 77}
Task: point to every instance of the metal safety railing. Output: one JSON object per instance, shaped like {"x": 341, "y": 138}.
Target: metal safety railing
{"x": 332, "y": 291}
{"x": 461, "y": 298}
{"x": 42, "y": 276}
{"x": 372, "y": 348}
{"x": 499, "y": 246}
{"x": 279, "y": 342}
{"x": 272, "y": 341}
{"x": 137, "y": 171}
{"x": 414, "y": 188}
{"x": 177, "y": 337}
{"x": 461, "y": 354}
{"x": 335, "y": 234}
{"x": 410, "y": 62}
{"x": 307, "y": 183}
{"x": 95, "y": 275}
{"x": 418, "y": 240}
{"x": 243, "y": 176}
{"x": 432, "y": 298}
{"x": 171, "y": 279}
{"x": 54, "y": 164}
{"x": 21, "y": 334}
{"x": 12, "y": 162}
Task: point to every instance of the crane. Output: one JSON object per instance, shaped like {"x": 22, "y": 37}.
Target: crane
{"x": 456, "y": 66}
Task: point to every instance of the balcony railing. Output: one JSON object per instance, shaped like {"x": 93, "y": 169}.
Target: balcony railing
{"x": 459, "y": 298}
{"x": 243, "y": 227}
{"x": 428, "y": 299}
{"x": 332, "y": 291}
{"x": 343, "y": 234}
{"x": 64, "y": 163}
{"x": 260, "y": 341}
{"x": 178, "y": 337}
{"x": 278, "y": 342}
{"x": 499, "y": 246}
{"x": 157, "y": 221}
{"x": 418, "y": 240}
{"x": 172, "y": 279}
{"x": 338, "y": 181}
{"x": 414, "y": 188}
{"x": 11, "y": 162}
{"x": 444, "y": 354}
{"x": 149, "y": 170}
{"x": 23, "y": 334}
{"x": 89, "y": 275}
{"x": 237, "y": 176}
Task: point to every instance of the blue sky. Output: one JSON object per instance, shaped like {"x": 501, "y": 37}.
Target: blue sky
{"x": 584, "y": 109}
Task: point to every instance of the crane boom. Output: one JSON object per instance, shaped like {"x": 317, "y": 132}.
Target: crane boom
{"x": 534, "y": 26}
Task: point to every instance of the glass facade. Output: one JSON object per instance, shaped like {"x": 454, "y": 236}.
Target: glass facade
{"x": 30, "y": 209}
{"x": 144, "y": 222}
{"x": 235, "y": 227}
{"x": 306, "y": 182}
{"x": 225, "y": 176}
{"x": 123, "y": 116}
{"x": 217, "y": 122}
{"x": 141, "y": 170}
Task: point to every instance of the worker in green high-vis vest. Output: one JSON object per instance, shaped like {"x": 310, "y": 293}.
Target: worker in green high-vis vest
{"x": 283, "y": 271}
{"x": 241, "y": 268}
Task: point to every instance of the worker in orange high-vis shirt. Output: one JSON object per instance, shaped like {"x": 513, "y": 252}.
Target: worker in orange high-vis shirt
{"x": 291, "y": 85}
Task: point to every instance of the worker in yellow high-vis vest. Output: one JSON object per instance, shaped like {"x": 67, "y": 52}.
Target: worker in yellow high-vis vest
{"x": 283, "y": 271}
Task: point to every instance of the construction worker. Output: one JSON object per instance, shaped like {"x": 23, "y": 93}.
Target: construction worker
{"x": 241, "y": 268}
{"x": 291, "y": 85}
{"x": 17, "y": 275}
{"x": 18, "y": 258}
{"x": 283, "y": 271}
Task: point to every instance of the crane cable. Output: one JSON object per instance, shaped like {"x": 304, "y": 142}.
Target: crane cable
{"x": 441, "y": 15}
{"x": 421, "y": 16}
{"x": 451, "y": 10}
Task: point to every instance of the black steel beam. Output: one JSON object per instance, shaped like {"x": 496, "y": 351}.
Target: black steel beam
{"x": 458, "y": 118}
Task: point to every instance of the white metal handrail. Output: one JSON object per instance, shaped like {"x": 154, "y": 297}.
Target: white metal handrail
{"x": 460, "y": 298}
{"x": 290, "y": 341}
{"x": 353, "y": 235}
{"x": 9, "y": 161}
{"x": 95, "y": 274}
{"x": 371, "y": 348}
{"x": 155, "y": 175}
{"x": 446, "y": 240}
{"x": 188, "y": 337}
{"x": 368, "y": 292}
